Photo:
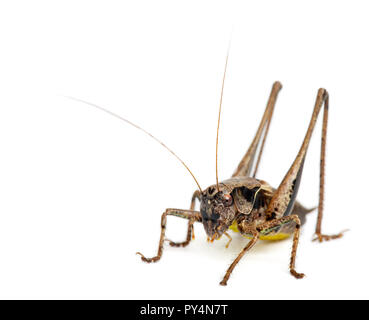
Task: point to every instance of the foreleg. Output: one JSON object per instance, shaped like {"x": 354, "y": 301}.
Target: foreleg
{"x": 190, "y": 231}
{"x": 186, "y": 214}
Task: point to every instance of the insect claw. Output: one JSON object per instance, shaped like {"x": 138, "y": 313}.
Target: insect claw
{"x": 296, "y": 274}
{"x": 148, "y": 260}
{"x": 223, "y": 282}
{"x": 323, "y": 237}
{"x": 171, "y": 243}
{"x": 143, "y": 258}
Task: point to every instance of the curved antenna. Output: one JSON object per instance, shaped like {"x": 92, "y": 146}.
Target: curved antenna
{"x": 220, "y": 109}
{"x": 139, "y": 128}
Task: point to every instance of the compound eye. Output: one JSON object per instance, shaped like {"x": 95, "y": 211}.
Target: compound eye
{"x": 228, "y": 200}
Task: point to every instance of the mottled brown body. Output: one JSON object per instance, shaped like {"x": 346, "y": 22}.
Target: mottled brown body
{"x": 251, "y": 200}
{"x": 251, "y": 206}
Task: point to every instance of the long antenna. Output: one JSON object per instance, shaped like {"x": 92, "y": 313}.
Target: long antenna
{"x": 220, "y": 110}
{"x": 139, "y": 128}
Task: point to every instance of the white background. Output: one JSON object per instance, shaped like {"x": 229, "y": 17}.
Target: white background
{"x": 81, "y": 192}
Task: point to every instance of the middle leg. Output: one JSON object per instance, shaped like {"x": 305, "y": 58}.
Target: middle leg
{"x": 267, "y": 226}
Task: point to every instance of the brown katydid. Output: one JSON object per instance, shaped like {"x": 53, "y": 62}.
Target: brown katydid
{"x": 246, "y": 204}
{"x": 251, "y": 206}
